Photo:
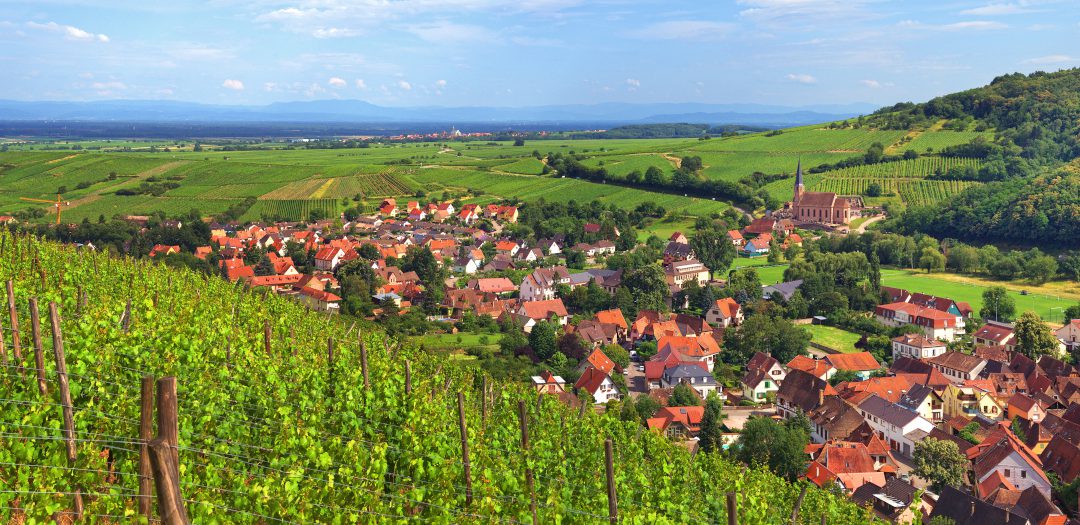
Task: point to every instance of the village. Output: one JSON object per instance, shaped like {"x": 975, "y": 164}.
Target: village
{"x": 1013, "y": 418}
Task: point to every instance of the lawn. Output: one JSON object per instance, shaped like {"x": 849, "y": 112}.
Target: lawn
{"x": 663, "y": 228}
{"x": 768, "y": 273}
{"x": 1048, "y": 300}
{"x": 835, "y": 338}
{"x": 451, "y": 341}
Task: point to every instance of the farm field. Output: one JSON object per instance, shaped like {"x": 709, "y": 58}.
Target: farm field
{"x": 838, "y": 339}
{"x": 1048, "y": 300}
{"x": 768, "y": 273}
{"x": 180, "y": 180}
{"x": 457, "y": 341}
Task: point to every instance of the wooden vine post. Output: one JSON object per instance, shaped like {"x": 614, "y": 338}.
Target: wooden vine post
{"x": 524, "y": 420}
{"x": 408, "y": 378}
{"x": 146, "y": 434}
{"x": 732, "y": 509}
{"x": 39, "y": 358}
{"x": 266, "y": 336}
{"x": 330, "y": 364}
{"x": 165, "y": 456}
{"x": 65, "y": 401}
{"x": 363, "y": 362}
{"x": 13, "y": 314}
{"x": 798, "y": 505}
{"x": 609, "y": 460}
{"x": 465, "y": 449}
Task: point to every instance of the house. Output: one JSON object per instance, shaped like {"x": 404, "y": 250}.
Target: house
{"x": 678, "y": 273}
{"x": 760, "y": 226}
{"x": 466, "y": 265}
{"x": 724, "y": 313}
{"x": 935, "y": 324}
{"x": 763, "y": 375}
{"x": 892, "y": 501}
{"x": 202, "y": 252}
{"x": 783, "y": 290}
{"x": 899, "y": 427}
{"x": 815, "y": 367}
{"x": 161, "y": 249}
{"x": 736, "y": 238}
{"x": 532, "y": 312}
{"x": 1025, "y": 407}
{"x": 957, "y": 366}
{"x": 889, "y": 388}
{"x": 274, "y": 282}
{"x": 1069, "y": 335}
{"x": 549, "y": 246}
{"x": 548, "y": 383}
{"x": 960, "y": 508}
{"x": 924, "y": 401}
{"x": 756, "y": 247}
{"x": 1005, "y": 454}
{"x": 971, "y": 399}
{"x": 692, "y": 349}
{"x": 862, "y": 363}
{"x": 328, "y": 258}
{"x": 541, "y": 284}
{"x": 1062, "y": 457}
{"x": 995, "y": 334}
{"x": 694, "y": 375}
{"x": 916, "y": 346}
{"x": 596, "y": 333}
{"x": 678, "y": 251}
{"x": 319, "y": 300}
{"x": 845, "y": 464}
{"x": 677, "y": 422}
{"x": 801, "y": 393}
{"x": 836, "y": 419}
{"x": 493, "y": 285}
{"x": 508, "y": 214}
{"x": 598, "y": 384}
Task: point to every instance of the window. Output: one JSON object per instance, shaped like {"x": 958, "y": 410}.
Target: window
{"x": 1023, "y": 474}
{"x": 1006, "y": 472}
{"x": 768, "y": 384}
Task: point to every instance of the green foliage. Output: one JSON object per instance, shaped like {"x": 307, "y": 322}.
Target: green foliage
{"x": 778, "y": 446}
{"x": 997, "y": 304}
{"x": 1033, "y": 337}
{"x": 618, "y": 355}
{"x": 268, "y": 435}
{"x": 764, "y": 333}
{"x": 940, "y": 462}
{"x": 710, "y": 437}
{"x": 542, "y": 339}
{"x": 713, "y": 248}
{"x": 683, "y": 396}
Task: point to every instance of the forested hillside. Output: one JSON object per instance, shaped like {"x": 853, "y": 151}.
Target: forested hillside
{"x": 292, "y": 431}
{"x": 1036, "y": 120}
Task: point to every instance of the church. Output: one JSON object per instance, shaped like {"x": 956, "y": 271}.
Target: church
{"x": 822, "y": 207}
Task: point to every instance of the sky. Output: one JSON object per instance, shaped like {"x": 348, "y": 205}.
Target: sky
{"x": 526, "y": 52}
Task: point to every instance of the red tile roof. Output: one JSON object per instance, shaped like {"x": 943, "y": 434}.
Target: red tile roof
{"x": 601, "y": 362}
{"x": 591, "y": 380}
{"x": 544, "y": 309}
{"x": 858, "y": 361}
{"x": 613, "y": 316}
{"x": 815, "y": 367}
{"x": 728, "y": 307}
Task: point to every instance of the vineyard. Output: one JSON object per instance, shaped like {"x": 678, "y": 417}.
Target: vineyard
{"x": 295, "y": 209}
{"x": 288, "y": 416}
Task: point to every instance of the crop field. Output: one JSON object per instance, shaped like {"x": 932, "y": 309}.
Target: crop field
{"x": 931, "y": 141}
{"x": 290, "y": 208}
{"x": 212, "y": 180}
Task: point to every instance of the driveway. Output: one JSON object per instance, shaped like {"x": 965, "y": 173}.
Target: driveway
{"x": 635, "y": 381}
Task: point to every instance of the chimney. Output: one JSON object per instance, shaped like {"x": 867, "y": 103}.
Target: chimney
{"x": 973, "y": 507}
{"x": 821, "y": 397}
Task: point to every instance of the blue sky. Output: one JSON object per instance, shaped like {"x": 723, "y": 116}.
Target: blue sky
{"x": 526, "y": 52}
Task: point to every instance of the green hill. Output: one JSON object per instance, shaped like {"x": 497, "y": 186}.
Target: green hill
{"x": 289, "y": 435}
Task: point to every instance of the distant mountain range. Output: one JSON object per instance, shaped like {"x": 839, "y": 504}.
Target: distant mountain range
{"x": 357, "y": 111}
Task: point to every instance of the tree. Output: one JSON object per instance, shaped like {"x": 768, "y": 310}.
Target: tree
{"x": 764, "y": 333}
{"x": 646, "y": 350}
{"x": 519, "y": 142}
{"x": 843, "y": 375}
{"x": 1072, "y": 312}
{"x": 1041, "y": 268}
{"x": 873, "y": 190}
{"x": 712, "y": 425}
{"x": 713, "y": 248}
{"x": 939, "y": 462}
{"x": 264, "y": 266}
{"x": 963, "y": 258}
{"x": 683, "y": 396}
{"x": 780, "y": 447}
{"x": 646, "y": 407}
{"x": 997, "y": 304}
{"x": 542, "y": 339}
{"x": 744, "y": 285}
{"x": 618, "y": 355}
{"x": 513, "y": 339}
{"x": 1033, "y": 337}
{"x": 932, "y": 260}
{"x": 648, "y": 287}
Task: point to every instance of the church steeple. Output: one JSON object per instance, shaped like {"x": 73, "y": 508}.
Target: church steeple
{"x": 798, "y": 182}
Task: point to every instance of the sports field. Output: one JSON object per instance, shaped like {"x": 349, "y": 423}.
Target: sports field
{"x": 1049, "y": 300}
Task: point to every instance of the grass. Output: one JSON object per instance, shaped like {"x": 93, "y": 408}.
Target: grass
{"x": 450, "y": 341}
{"x": 768, "y": 273}
{"x": 1048, "y": 300}
{"x": 840, "y": 340}
{"x": 663, "y": 228}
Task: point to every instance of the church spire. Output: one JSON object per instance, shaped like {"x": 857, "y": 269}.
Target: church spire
{"x": 798, "y": 181}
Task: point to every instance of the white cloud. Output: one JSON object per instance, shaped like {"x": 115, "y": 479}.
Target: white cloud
{"x": 874, "y": 84}
{"x": 337, "y": 82}
{"x": 1050, "y": 59}
{"x": 440, "y": 83}
{"x": 801, "y": 78}
{"x": 334, "y": 32}
{"x": 974, "y": 25}
{"x": 234, "y": 85}
{"x": 70, "y": 32}
{"x": 685, "y": 30}
{"x": 633, "y": 82}
{"x": 449, "y": 32}
{"x": 360, "y": 84}
{"x": 404, "y": 85}
{"x": 997, "y": 9}
{"x": 111, "y": 85}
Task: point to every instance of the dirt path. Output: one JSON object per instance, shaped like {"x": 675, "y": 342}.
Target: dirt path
{"x": 677, "y": 161}
{"x": 871, "y": 220}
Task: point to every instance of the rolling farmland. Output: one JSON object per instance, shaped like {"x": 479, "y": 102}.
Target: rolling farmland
{"x": 210, "y": 181}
